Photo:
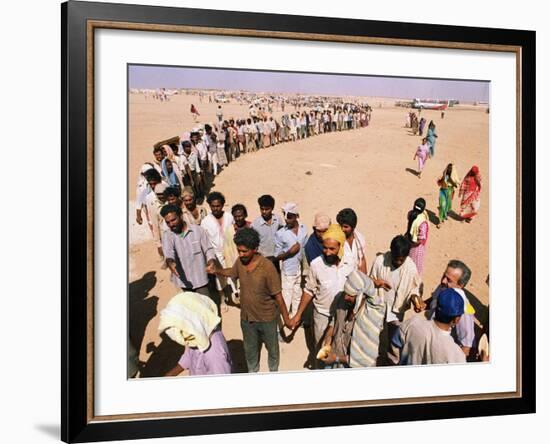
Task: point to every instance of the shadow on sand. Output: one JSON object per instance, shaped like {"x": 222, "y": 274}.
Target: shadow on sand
{"x": 164, "y": 357}
{"x": 434, "y": 219}
{"x": 141, "y": 307}
{"x": 482, "y": 311}
{"x": 413, "y": 172}
{"x": 454, "y": 216}
{"x": 236, "y": 351}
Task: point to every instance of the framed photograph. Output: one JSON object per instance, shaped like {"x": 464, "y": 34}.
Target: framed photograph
{"x": 275, "y": 222}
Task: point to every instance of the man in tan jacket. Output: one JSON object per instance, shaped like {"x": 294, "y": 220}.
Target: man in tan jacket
{"x": 398, "y": 283}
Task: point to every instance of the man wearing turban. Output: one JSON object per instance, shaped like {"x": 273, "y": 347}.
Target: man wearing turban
{"x": 324, "y": 282}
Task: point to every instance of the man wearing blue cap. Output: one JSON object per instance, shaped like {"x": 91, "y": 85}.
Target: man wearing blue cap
{"x": 429, "y": 341}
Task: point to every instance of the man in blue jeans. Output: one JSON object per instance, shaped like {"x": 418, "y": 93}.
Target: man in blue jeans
{"x": 260, "y": 297}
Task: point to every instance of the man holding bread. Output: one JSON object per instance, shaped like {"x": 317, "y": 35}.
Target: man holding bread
{"x": 324, "y": 282}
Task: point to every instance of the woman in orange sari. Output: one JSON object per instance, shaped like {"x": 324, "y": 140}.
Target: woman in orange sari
{"x": 469, "y": 194}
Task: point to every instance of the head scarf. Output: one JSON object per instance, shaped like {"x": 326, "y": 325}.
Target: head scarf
{"x": 189, "y": 319}
{"x": 188, "y": 191}
{"x": 471, "y": 186}
{"x": 357, "y": 283}
{"x": 290, "y": 207}
{"x": 169, "y": 152}
{"x": 146, "y": 167}
{"x": 335, "y": 232}
{"x": 453, "y": 177}
{"x": 417, "y": 216}
{"x": 170, "y": 177}
{"x": 472, "y": 180}
{"x": 321, "y": 221}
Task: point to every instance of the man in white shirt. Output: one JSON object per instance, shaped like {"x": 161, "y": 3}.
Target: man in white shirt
{"x": 200, "y": 147}
{"x": 273, "y": 128}
{"x": 191, "y": 169}
{"x": 251, "y": 134}
{"x": 159, "y": 154}
{"x": 289, "y": 243}
{"x": 211, "y": 144}
{"x": 215, "y": 224}
{"x": 149, "y": 177}
{"x": 354, "y": 249}
{"x": 397, "y": 283}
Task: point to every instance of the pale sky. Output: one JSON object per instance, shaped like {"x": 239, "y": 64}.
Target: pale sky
{"x": 148, "y": 76}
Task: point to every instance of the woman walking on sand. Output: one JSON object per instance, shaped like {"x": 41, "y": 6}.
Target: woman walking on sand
{"x": 417, "y": 233}
{"x": 408, "y": 120}
{"x": 421, "y": 126}
{"x": 469, "y": 194}
{"x": 194, "y": 112}
{"x": 422, "y": 154}
{"x": 448, "y": 182}
{"x": 431, "y": 136}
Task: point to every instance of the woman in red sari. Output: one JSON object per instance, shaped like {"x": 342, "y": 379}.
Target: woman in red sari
{"x": 469, "y": 194}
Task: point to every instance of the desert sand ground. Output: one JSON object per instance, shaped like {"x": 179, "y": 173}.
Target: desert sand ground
{"x": 369, "y": 170}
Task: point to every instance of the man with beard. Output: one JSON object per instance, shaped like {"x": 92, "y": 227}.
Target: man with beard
{"x": 267, "y": 224}
{"x": 325, "y": 280}
{"x": 457, "y": 276}
{"x": 159, "y": 154}
{"x": 354, "y": 249}
{"x": 230, "y": 252}
{"x": 187, "y": 251}
{"x": 192, "y": 212}
{"x": 215, "y": 225}
{"x": 398, "y": 283}
{"x": 289, "y": 243}
{"x": 260, "y": 297}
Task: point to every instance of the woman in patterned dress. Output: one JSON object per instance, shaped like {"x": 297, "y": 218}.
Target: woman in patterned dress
{"x": 417, "y": 233}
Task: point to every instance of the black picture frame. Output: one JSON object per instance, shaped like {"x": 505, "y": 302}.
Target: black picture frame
{"x": 77, "y": 425}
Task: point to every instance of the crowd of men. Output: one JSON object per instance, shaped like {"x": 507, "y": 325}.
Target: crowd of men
{"x": 284, "y": 276}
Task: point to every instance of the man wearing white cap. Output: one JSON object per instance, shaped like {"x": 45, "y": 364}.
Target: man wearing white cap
{"x": 145, "y": 185}
{"x": 314, "y": 244}
{"x": 289, "y": 243}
